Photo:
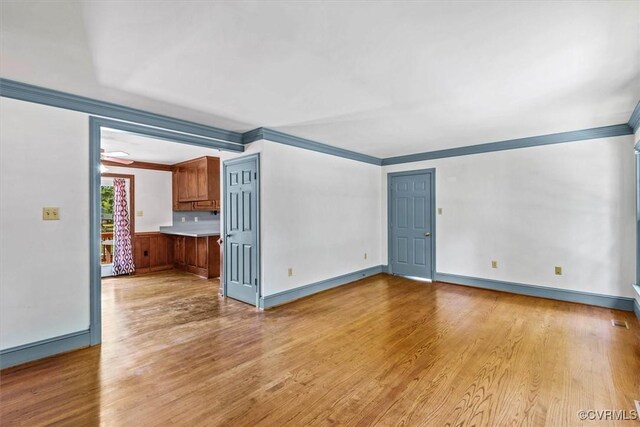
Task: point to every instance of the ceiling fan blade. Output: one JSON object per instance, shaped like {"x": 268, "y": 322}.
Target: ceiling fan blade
{"x": 116, "y": 160}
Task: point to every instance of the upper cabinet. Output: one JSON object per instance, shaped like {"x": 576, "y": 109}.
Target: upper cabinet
{"x": 196, "y": 185}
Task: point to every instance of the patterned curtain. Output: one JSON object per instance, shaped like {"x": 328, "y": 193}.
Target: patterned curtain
{"x": 123, "y": 253}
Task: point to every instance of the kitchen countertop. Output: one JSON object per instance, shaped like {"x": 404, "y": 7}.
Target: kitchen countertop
{"x": 188, "y": 233}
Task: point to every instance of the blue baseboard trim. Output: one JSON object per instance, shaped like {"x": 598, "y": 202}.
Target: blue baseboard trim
{"x": 307, "y": 144}
{"x": 608, "y": 301}
{"x": 54, "y": 98}
{"x": 45, "y": 348}
{"x": 313, "y": 288}
{"x": 634, "y": 120}
{"x": 636, "y": 305}
{"x": 534, "y": 141}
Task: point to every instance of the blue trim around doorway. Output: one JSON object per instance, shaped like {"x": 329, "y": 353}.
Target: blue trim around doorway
{"x": 95, "y": 126}
{"x": 223, "y": 287}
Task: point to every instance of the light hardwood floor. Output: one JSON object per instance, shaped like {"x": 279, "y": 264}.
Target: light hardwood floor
{"x": 384, "y": 350}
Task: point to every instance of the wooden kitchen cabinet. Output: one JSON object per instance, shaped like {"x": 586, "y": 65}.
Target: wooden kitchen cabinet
{"x": 196, "y": 185}
{"x": 152, "y": 251}
{"x": 198, "y": 255}
{"x": 179, "y": 251}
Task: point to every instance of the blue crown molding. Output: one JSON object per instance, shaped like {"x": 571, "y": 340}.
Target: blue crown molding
{"x": 307, "y": 144}
{"x": 54, "y": 98}
{"x": 533, "y": 141}
{"x": 634, "y": 120}
{"x": 40, "y": 95}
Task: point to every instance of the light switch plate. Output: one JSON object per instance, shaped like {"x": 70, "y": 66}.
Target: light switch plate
{"x": 50, "y": 214}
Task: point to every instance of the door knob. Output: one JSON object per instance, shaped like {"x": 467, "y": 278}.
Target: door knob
{"x": 228, "y": 235}
{"x": 427, "y": 234}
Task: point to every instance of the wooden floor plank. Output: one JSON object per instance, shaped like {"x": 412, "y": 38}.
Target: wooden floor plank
{"x": 381, "y": 351}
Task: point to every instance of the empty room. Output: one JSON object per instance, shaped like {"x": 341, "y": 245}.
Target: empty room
{"x": 292, "y": 213}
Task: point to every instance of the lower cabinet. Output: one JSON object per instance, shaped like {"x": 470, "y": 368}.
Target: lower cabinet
{"x": 152, "y": 251}
{"x": 197, "y": 255}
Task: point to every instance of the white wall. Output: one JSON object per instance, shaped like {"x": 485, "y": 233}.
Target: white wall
{"x": 531, "y": 209}
{"x": 567, "y": 204}
{"x": 152, "y": 197}
{"x": 319, "y": 215}
{"x": 44, "y": 265}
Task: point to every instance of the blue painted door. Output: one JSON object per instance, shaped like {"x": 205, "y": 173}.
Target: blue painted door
{"x": 410, "y": 223}
{"x": 241, "y": 229}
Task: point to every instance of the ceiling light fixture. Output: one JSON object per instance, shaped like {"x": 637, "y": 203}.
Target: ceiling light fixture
{"x": 116, "y": 154}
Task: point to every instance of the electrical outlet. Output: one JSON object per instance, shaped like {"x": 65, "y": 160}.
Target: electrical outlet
{"x": 365, "y": 255}
{"x": 439, "y": 211}
{"x": 290, "y": 272}
{"x": 195, "y": 219}
{"x": 139, "y": 213}
{"x": 50, "y": 214}
{"x": 558, "y": 270}
{"x": 494, "y": 264}
{"x": 183, "y": 219}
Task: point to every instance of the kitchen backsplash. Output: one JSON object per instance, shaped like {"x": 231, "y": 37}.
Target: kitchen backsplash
{"x": 192, "y": 215}
{"x": 206, "y": 220}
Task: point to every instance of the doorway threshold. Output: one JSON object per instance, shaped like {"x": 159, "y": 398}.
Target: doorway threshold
{"x": 419, "y": 279}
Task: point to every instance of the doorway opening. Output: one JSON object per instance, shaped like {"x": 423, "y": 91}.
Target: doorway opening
{"x": 108, "y": 214}
{"x": 170, "y": 187}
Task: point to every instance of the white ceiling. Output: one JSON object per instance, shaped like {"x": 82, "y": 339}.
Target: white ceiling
{"x": 145, "y": 149}
{"x": 381, "y": 78}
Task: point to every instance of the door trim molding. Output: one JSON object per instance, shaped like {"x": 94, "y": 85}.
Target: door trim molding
{"x": 226, "y": 163}
{"x": 391, "y": 175}
{"x": 95, "y": 129}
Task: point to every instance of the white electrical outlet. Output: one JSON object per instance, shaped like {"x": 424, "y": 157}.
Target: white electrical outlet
{"x": 195, "y": 219}
{"x": 183, "y": 219}
{"x": 494, "y": 264}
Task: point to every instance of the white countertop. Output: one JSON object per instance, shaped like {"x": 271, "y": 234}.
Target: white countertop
{"x": 178, "y": 231}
